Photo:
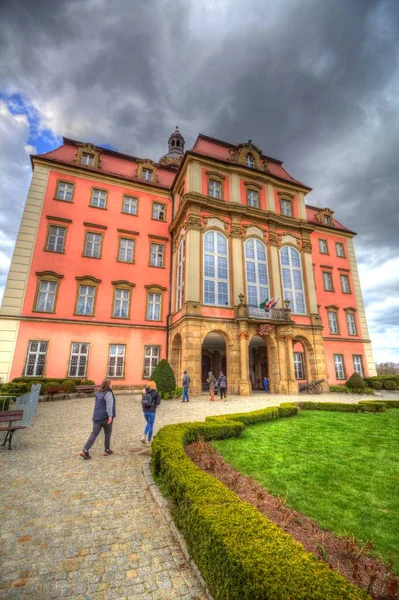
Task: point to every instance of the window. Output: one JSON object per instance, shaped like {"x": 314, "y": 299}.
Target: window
{"x": 99, "y": 198}
{"x": 121, "y": 304}
{"x": 350, "y": 319}
{"x": 116, "y": 360}
{"x": 146, "y": 174}
{"x": 126, "y": 248}
{"x": 156, "y": 255}
{"x": 323, "y": 247}
{"x": 129, "y": 205}
{"x": 154, "y": 307}
{"x": 36, "y": 359}
{"x": 214, "y": 189}
{"x": 327, "y": 282}
{"x": 159, "y": 211}
{"x": 339, "y": 366}
{"x": 292, "y": 279}
{"x": 85, "y": 304}
{"x": 286, "y": 208}
{"x": 249, "y": 161}
{"x": 181, "y": 258}
{"x": 216, "y": 269}
{"x": 298, "y": 365}
{"x": 339, "y": 248}
{"x": 78, "y": 360}
{"x": 64, "y": 191}
{"x": 333, "y": 321}
{"x": 46, "y": 296}
{"x": 253, "y": 198}
{"x": 256, "y": 272}
{"x": 345, "y": 284}
{"x": 93, "y": 245}
{"x": 56, "y": 239}
{"x": 357, "y": 364}
{"x": 151, "y": 359}
{"x": 327, "y": 220}
{"x": 87, "y": 159}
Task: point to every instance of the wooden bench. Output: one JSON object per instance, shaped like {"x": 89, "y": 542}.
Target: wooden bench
{"x": 11, "y": 416}
{"x": 85, "y": 389}
{"x": 57, "y": 389}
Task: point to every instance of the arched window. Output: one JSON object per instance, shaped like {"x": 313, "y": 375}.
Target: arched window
{"x": 181, "y": 257}
{"x": 216, "y": 269}
{"x": 249, "y": 159}
{"x": 292, "y": 279}
{"x": 256, "y": 272}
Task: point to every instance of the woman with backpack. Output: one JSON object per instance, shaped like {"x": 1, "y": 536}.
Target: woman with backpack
{"x": 151, "y": 399}
{"x": 103, "y": 416}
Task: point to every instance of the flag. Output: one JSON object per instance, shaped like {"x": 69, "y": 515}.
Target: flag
{"x": 263, "y": 304}
{"x": 269, "y": 304}
{"x": 274, "y": 303}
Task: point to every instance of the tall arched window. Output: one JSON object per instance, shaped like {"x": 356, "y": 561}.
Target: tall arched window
{"x": 256, "y": 272}
{"x": 181, "y": 257}
{"x": 216, "y": 269}
{"x": 292, "y": 279}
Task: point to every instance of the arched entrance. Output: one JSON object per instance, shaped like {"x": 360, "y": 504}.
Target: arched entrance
{"x": 213, "y": 357}
{"x": 175, "y": 357}
{"x": 305, "y": 367}
{"x": 258, "y": 362}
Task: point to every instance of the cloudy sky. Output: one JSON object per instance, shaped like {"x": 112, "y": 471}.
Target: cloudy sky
{"x": 314, "y": 83}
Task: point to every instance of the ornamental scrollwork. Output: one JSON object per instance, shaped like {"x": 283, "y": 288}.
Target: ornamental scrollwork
{"x": 265, "y": 330}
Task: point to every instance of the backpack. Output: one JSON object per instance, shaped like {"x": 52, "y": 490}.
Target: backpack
{"x": 147, "y": 401}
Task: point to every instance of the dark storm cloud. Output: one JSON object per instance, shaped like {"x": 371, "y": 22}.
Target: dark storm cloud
{"x": 315, "y": 84}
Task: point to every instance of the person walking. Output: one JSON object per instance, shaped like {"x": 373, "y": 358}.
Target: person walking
{"x": 150, "y": 400}
{"x": 212, "y": 382}
{"x": 103, "y": 417}
{"x": 186, "y": 384}
{"x": 222, "y": 385}
{"x": 266, "y": 384}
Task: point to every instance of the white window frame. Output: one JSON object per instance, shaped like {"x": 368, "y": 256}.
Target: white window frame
{"x": 253, "y": 198}
{"x": 55, "y": 236}
{"x": 327, "y": 220}
{"x": 327, "y": 276}
{"x": 126, "y": 247}
{"x": 249, "y": 161}
{"x": 351, "y": 323}
{"x": 261, "y": 295}
{"x": 93, "y": 245}
{"x": 339, "y": 366}
{"x": 341, "y": 251}
{"x": 157, "y": 255}
{"x": 99, "y": 198}
{"x": 358, "y": 364}
{"x": 323, "y": 246}
{"x": 333, "y": 321}
{"x": 286, "y": 207}
{"x": 129, "y": 203}
{"x": 152, "y": 354}
{"x": 159, "y": 211}
{"x": 39, "y": 358}
{"x": 215, "y": 189}
{"x": 116, "y": 361}
{"x": 87, "y": 159}
{"x": 290, "y": 292}
{"x": 181, "y": 260}
{"x": 345, "y": 287}
{"x": 46, "y": 296}
{"x": 81, "y": 359}
{"x": 147, "y": 174}
{"x": 216, "y": 280}
{"x": 154, "y": 301}
{"x": 121, "y": 303}
{"x": 64, "y": 189}
{"x": 299, "y": 365}
{"x": 87, "y": 296}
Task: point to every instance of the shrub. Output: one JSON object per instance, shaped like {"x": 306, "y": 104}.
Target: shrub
{"x": 355, "y": 381}
{"x": 241, "y": 554}
{"x": 15, "y": 389}
{"x": 69, "y": 385}
{"x": 35, "y": 379}
{"x": 166, "y": 395}
{"x": 87, "y": 382}
{"x": 392, "y": 403}
{"x": 51, "y": 384}
{"x": 376, "y": 385}
{"x": 164, "y": 377}
{"x": 339, "y": 389}
{"x": 373, "y": 406}
{"x": 178, "y": 392}
{"x": 365, "y": 390}
{"x": 333, "y": 406}
{"x": 389, "y": 384}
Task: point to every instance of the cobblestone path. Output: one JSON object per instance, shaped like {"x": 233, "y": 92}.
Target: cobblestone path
{"x": 90, "y": 529}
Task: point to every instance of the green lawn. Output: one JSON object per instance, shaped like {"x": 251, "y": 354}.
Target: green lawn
{"x": 341, "y": 469}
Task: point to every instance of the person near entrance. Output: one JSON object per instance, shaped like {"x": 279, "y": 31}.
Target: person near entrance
{"x": 212, "y": 383}
{"x": 222, "y": 385}
{"x": 266, "y": 384}
{"x": 186, "y": 384}
{"x": 103, "y": 416}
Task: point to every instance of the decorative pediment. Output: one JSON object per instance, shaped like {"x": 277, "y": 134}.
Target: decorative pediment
{"x": 88, "y": 155}
{"x": 248, "y": 155}
{"x": 147, "y": 170}
{"x": 174, "y": 162}
{"x": 254, "y": 231}
{"x": 288, "y": 239}
{"x": 325, "y": 216}
{"x": 214, "y": 222}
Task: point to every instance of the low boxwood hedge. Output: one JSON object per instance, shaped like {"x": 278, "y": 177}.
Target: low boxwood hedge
{"x": 373, "y": 406}
{"x": 333, "y": 406}
{"x": 339, "y": 389}
{"x": 241, "y": 554}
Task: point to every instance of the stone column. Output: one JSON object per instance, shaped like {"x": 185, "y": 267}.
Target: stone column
{"x": 245, "y": 388}
{"x": 270, "y": 201}
{"x": 275, "y": 275}
{"x": 193, "y": 277}
{"x": 308, "y": 273}
{"x": 191, "y": 355}
{"x": 236, "y": 259}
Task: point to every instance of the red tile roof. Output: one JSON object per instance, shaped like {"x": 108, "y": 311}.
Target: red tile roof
{"x": 312, "y": 211}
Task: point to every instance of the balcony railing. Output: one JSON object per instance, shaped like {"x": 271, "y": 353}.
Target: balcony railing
{"x": 274, "y": 314}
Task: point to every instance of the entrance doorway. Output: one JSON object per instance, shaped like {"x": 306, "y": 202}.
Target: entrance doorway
{"x": 213, "y": 358}
{"x": 258, "y": 362}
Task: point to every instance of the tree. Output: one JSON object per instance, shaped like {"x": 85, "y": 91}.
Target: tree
{"x": 387, "y": 368}
{"x": 355, "y": 381}
{"x": 164, "y": 377}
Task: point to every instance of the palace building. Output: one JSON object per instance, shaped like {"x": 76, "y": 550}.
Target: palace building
{"x": 210, "y": 258}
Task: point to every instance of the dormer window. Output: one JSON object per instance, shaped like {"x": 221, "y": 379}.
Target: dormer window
{"x": 327, "y": 220}
{"x": 250, "y": 162}
{"x": 146, "y": 174}
{"x": 87, "y": 159}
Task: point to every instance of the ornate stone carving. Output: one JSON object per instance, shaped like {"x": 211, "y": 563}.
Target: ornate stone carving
{"x": 307, "y": 247}
{"x": 254, "y": 231}
{"x": 193, "y": 222}
{"x": 265, "y": 329}
{"x": 150, "y": 166}
{"x": 236, "y": 230}
{"x": 273, "y": 238}
{"x": 243, "y": 334}
{"x": 288, "y": 239}
{"x": 167, "y": 161}
{"x": 214, "y": 222}
{"x": 239, "y": 155}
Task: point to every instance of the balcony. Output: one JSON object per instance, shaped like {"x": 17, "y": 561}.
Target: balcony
{"x": 274, "y": 314}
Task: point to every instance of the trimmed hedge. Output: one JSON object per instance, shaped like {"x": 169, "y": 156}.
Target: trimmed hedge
{"x": 332, "y": 406}
{"x": 241, "y": 554}
{"x": 392, "y": 403}
{"x": 373, "y": 406}
{"x": 390, "y": 385}
{"x": 339, "y": 389}
{"x": 355, "y": 382}
{"x": 164, "y": 377}
{"x": 376, "y": 385}
{"x": 70, "y": 385}
{"x": 343, "y": 389}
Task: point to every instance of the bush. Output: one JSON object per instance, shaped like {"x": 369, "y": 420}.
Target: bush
{"x": 389, "y": 384}
{"x": 86, "y": 382}
{"x": 355, "y": 381}
{"x": 69, "y": 385}
{"x": 178, "y": 392}
{"x": 15, "y": 389}
{"x": 241, "y": 554}
{"x": 51, "y": 384}
{"x": 373, "y": 406}
{"x": 36, "y": 378}
{"x": 376, "y": 385}
{"x": 333, "y": 406}
{"x": 365, "y": 390}
{"x": 339, "y": 389}
{"x": 166, "y": 395}
{"x": 164, "y": 377}
{"x": 392, "y": 403}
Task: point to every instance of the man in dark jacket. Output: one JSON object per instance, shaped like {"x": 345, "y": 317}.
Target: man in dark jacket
{"x": 103, "y": 416}
{"x": 186, "y": 384}
{"x": 222, "y": 385}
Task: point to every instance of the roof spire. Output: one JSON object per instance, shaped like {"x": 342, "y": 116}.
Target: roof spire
{"x": 176, "y": 149}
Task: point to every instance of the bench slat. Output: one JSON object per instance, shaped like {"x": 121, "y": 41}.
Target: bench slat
{"x": 11, "y": 415}
{"x": 13, "y": 428}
